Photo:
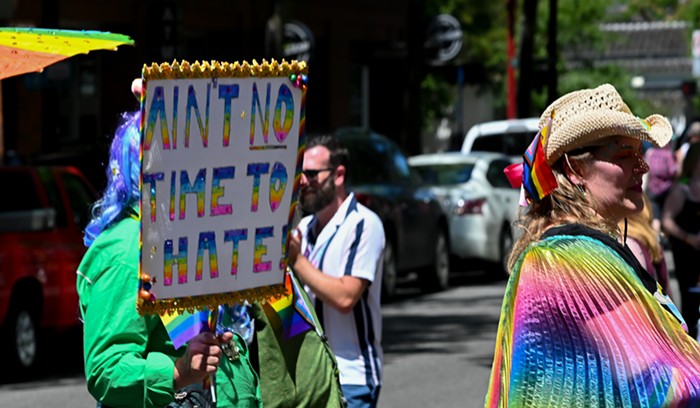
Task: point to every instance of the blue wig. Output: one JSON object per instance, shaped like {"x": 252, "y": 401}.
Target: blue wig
{"x": 122, "y": 195}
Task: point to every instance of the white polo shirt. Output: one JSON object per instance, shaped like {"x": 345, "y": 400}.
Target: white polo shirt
{"x": 352, "y": 243}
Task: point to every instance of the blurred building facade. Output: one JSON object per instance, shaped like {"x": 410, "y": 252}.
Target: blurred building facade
{"x": 364, "y": 58}
{"x": 656, "y": 54}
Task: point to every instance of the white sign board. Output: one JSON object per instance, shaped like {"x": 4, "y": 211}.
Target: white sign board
{"x": 221, "y": 158}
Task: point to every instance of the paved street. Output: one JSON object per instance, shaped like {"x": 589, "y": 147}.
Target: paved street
{"x": 438, "y": 352}
{"x": 439, "y": 348}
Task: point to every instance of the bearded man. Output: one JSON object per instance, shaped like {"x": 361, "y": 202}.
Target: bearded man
{"x": 336, "y": 251}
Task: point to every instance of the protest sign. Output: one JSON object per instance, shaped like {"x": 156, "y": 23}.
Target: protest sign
{"x": 222, "y": 148}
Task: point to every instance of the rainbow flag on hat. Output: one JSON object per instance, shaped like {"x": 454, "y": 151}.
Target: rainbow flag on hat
{"x": 538, "y": 178}
{"x": 292, "y": 309}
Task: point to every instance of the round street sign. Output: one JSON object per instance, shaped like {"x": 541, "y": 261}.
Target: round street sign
{"x": 443, "y": 39}
{"x": 297, "y": 41}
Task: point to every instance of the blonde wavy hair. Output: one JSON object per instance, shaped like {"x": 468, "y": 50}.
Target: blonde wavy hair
{"x": 568, "y": 203}
{"x": 639, "y": 227}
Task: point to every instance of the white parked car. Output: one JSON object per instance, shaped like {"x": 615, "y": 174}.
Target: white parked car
{"x": 511, "y": 136}
{"x": 476, "y": 196}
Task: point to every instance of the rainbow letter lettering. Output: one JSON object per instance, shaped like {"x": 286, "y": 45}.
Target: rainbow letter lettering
{"x": 151, "y": 179}
{"x": 235, "y": 236}
{"x": 207, "y": 242}
{"x": 278, "y": 182}
{"x": 255, "y": 170}
{"x": 217, "y": 191}
{"x": 157, "y": 112}
{"x": 197, "y": 188}
{"x": 178, "y": 261}
{"x": 285, "y": 97}
{"x": 260, "y": 249}
{"x": 192, "y": 104}
{"x": 227, "y": 92}
{"x": 284, "y": 247}
{"x": 266, "y": 119}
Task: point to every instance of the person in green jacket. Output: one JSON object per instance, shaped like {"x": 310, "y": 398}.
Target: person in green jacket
{"x": 130, "y": 360}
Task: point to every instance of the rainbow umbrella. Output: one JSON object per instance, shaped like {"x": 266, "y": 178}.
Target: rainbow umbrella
{"x": 25, "y": 50}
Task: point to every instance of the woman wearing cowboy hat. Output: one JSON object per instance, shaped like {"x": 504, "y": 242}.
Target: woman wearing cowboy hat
{"x": 582, "y": 323}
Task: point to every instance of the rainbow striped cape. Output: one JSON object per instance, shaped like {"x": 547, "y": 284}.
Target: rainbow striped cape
{"x": 578, "y": 328}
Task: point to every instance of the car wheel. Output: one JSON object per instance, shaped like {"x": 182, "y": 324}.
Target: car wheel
{"x": 22, "y": 338}
{"x": 437, "y": 278}
{"x": 389, "y": 273}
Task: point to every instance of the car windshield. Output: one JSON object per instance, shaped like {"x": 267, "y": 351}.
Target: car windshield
{"x": 445, "y": 174}
{"x": 381, "y": 162}
{"x": 25, "y": 196}
{"x": 511, "y": 143}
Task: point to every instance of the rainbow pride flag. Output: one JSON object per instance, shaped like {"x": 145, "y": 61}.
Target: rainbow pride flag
{"x": 292, "y": 310}
{"x": 182, "y": 327}
{"x": 538, "y": 178}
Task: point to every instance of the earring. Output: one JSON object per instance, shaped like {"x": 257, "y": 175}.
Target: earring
{"x": 581, "y": 189}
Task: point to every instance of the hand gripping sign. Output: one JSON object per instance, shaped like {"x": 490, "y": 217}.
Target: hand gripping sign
{"x": 222, "y": 148}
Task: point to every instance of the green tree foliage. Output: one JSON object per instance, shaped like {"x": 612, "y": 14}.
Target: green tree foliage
{"x": 485, "y": 34}
{"x": 578, "y": 38}
{"x": 689, "y": 11}
{"x": 484, "y": 26}
{"x": 649, "y": 10}
{"x": 438, "y": 98}
{"x": 577, "y": 25}
{"x": 592, "y": 77}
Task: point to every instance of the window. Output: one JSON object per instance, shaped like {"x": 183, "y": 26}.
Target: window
{"x": 401, "y": 170}
{"x": 489, "y": 143}
{"x": 79, "y": 197}
{"x": 495, "y": 174}
{"x": 516, "y": 143}
{"x": 510, "y": 143}
{"x": 24, "y": 192}
{"x": 445, "y": 174}
{"x": 54, "y": 195}
{"x": 370, "y": 161}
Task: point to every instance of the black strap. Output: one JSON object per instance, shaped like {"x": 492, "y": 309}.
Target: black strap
{"x": 623, "y": 250}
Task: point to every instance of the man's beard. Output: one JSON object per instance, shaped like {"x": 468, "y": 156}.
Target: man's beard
{"x": 315, "y": 199}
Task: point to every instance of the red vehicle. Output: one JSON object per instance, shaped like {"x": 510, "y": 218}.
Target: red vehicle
{"x": 42, "y": 216}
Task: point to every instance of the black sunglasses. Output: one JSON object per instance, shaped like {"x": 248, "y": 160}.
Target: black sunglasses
{"x": 312, "y": 174}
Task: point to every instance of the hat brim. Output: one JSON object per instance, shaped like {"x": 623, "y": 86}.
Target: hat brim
{"x": 590, "y": 127}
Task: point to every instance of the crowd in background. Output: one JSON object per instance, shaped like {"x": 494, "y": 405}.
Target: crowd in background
{"x": 673, "y": 222}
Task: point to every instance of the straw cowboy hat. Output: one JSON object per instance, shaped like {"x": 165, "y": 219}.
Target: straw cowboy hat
{"x": 585, "y": 117}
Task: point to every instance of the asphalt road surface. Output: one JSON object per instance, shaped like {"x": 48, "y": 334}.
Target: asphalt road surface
{"x": 438, "y": 351}
{"x": 438, "y": 348}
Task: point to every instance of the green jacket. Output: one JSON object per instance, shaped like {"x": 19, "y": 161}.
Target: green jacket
{"x": 129, "y": 358}
{"x": 296, "y": 372}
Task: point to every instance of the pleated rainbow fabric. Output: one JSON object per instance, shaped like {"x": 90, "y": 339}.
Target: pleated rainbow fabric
{"x": 582, "y": 331}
